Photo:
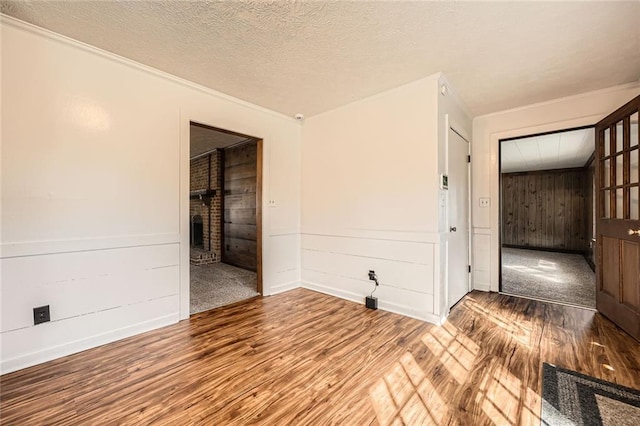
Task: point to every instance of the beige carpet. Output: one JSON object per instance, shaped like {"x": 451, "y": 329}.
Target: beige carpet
{"x": 219, "y": 284}
{"x": 557, "y": 277}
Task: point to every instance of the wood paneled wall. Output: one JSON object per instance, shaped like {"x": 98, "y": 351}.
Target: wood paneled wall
{"x": 240, "y": 242}
{"x": 545, "y": 209}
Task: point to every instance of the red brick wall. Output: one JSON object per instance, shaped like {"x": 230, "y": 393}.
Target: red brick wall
{"x": 199, "y": 180}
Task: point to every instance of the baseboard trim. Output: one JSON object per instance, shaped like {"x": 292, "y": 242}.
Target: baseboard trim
{"x": 281, "y": 288}
{"x": 590, "y": 263}
{"x": 383, "y": 305}
{"x": 482, "y": 287}
{"x": 551, "y": 249}
{"x": 49, "y": 354}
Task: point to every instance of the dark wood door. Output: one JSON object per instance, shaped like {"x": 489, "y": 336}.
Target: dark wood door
{"x": 618, "y": 222}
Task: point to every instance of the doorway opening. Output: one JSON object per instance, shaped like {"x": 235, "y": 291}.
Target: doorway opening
{"x": 224, "y": 216}
{"x": 547, "y": 220}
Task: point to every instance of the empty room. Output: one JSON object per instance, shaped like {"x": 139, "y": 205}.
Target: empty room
{"x": 223, "y": 257}
{"x": 295, "y": 213}
{"x": 547, "y": 220}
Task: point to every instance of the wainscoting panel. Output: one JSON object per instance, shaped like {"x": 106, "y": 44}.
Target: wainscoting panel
{"x": 89, "y": 293}
{"x": 405, "y": 251}
{"x": 481, "y": 259}
{"x": 339, "y": 266}
{"x": 391, "y": 273}
{"x": 33, "y": 345}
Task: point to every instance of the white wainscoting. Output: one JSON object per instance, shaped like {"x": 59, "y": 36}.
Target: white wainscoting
{"x": 95, "y": 297}
{"x": 482, "y": 259}
{"x": 339, "y": 266}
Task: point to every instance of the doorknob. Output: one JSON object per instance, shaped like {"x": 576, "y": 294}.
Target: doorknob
{"x": 452, "y": 229}
{"x": 636, "y": 232}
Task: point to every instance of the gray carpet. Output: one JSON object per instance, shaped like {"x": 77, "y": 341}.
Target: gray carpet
{"x": 570, "y": 398}
{"x": 219, "y": 284}
{"x": 557, "y": 277}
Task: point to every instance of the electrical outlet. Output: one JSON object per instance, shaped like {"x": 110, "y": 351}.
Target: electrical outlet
{"x": 41, "y": 314}
{"x": 372, "y": 275}
{"x": 484, "y": 202}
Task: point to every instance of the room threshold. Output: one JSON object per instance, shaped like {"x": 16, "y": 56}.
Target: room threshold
{"x": 555, "y": 302}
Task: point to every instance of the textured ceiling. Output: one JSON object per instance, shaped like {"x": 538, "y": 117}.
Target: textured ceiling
{"x": 311, "y": 57}
{"x": 547, "y": 152}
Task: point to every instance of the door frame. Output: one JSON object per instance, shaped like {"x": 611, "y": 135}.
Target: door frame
{"x": 563, "y": 113}
{"x": 499, "y": 164}
{"x": 184, "y": 216}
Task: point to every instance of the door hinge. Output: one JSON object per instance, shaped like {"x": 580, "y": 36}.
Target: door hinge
{"x": 468, "y": 158}
{"x": 469, "y": 268}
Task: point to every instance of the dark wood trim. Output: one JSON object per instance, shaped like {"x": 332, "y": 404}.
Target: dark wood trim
{"x": 500, "y": 216}
{"x": 622, "y": 315}
{"x": 629, "y": 108}
{"x": 209, "y": 224}
{"x": 626, "y": 167}
{"x": 259, "y": 215}
{"x": 627, "y": 185}
{"x": 599, "y": 176}
{"x": 218, "y": 129}
{"x": 237, "y": 144}
{"x": 612, "y": 170}
{"x": 611, "y": 225}
{"x": 599, "y": 182}
{"x": 540, "y": 172}
{"x": 623, "y": 151}
{"x": 590, "y": 263}
{"x": 551, "y": 132}
{"x": 590, "y": 159}
{"x": 543, "y": 249}
{"x": 221, "y": 180}
{"x": 241, "y": 266}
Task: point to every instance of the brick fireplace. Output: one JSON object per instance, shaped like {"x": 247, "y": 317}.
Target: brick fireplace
{"x": 205, "y": 209}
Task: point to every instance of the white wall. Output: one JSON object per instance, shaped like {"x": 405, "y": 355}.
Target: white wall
{"x": 581, "y": 110}
{"x": 94, "y": 181}
{"x": 451, "y": 114}
{"x": 370, "y": 198}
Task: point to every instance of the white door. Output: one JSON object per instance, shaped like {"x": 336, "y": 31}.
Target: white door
{"x": 458, "y": 218}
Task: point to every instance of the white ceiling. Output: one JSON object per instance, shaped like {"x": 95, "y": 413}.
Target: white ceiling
{"x": 203, "y": 139}
{"x": 310, "y": 57}
{"x": 548, "y": 152}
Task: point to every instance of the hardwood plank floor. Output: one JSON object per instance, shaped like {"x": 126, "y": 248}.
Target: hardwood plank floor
{"x": 306, "y": 358}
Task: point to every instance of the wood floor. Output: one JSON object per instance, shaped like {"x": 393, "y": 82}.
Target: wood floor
{"x": 305, "y": 358}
